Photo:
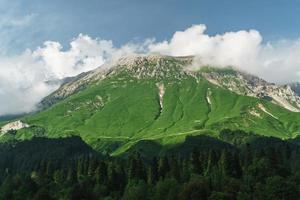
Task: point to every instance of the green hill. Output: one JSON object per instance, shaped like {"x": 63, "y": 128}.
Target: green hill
{"x": 158, "y": 99}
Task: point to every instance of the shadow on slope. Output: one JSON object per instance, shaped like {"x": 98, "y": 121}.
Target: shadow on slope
{"x": 150, "y": 148}
{"x": 28, "y": 155}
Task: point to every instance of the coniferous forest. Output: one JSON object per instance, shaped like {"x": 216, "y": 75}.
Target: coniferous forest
{"x": 260, "y": 168}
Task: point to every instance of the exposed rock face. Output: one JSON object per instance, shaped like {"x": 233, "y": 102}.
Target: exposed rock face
{"x": 160, "y": 67}
{"x": 208, "y": 96}
{"x": 260, "y": 106}
{"x": 249, "y": 85}
{"x": 16, "y": 125}
{"x": 154, "y": 66}
{"x": 71, "y": 86}
{"x": 161, "y": 93}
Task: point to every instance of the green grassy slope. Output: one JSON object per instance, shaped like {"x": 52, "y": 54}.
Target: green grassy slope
{"x": 122, "y": 110}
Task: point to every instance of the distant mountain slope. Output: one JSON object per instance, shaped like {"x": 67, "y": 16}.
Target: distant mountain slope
{"x": 157, "y": 98}
{"x": 249, "y": 85}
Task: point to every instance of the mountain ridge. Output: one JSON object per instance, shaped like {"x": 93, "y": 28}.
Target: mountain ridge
{"x": 159, "y": 98}
{"x": 240, "y": 82}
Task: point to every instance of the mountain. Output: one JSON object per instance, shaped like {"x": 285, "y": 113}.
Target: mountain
{"x": 161, "y": 99}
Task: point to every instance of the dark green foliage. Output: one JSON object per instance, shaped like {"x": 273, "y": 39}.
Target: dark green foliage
{"x": 153, "y": 171}
{"x": 163, "y": 167}
{"x": 263, "y": 168}
{"x": 57, "y": 152}
{"x": 136, "y": 190}
{"x": 137, "y": 169}
{"x": 167, "y": 189}
{"x": 195, "y": 189}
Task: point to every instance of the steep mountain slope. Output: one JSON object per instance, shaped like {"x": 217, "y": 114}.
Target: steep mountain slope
{"x": 158, "y": 98}
{"x": 246, "y": 84}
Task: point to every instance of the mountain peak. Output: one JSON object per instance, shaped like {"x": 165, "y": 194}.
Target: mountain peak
{"x": 140, "y": 58}
{"x": 149, "y": 60}
{"x": 162, "y": 68}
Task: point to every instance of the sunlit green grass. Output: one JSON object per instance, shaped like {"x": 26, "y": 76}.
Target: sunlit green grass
{"x": 121, "y": 110}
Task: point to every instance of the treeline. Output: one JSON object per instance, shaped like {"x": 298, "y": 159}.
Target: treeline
{"x": 265, "y": 168}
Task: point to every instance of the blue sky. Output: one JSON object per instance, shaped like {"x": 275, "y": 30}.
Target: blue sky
{"x": 135, "y": 20}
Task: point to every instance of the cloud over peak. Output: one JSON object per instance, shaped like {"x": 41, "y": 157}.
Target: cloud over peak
{"x": 23, "y": 77}
{"x": 277, "y": 61}
{"x": 231, "y": 48}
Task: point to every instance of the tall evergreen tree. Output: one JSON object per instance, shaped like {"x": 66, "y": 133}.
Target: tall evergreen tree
{"x": 136, "y": 168}
{"x": 101, "y": 173}
{"x": 163, "y": 167}
{"x": 92, "y": 166}
{"x": 196, "y": 163}
{"x": 211, "y": 162}
{"x": 80, "y": 168}
{"x": 153, "y": 171}
{"x": 175, "y": 168}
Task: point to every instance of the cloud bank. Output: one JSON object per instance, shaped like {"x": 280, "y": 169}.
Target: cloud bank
{"x": 24, "y": 78}
{"x": 277, "y": 61}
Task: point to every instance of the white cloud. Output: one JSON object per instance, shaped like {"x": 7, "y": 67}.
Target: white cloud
{"x": 84, "y": 54}
{"x": 21, "y": 83}
{"x": 23, "y": 77}
{"x": 277, "y": 61}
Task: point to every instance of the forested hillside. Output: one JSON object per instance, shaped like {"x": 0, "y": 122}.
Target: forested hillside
{"x": 260, "y": 168}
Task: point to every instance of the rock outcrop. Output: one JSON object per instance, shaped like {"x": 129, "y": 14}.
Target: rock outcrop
{"x": 249, "y": 85}
{"x": 16, "y": 125}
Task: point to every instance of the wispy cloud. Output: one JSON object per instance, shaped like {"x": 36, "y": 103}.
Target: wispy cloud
{"x": 14, "y": 22}
{"x": 24, "y": 77}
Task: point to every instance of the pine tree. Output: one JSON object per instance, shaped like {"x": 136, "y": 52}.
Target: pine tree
{"x": 58, "y": 176}
{"x": 136, "y": 168}
{"x": 112, "y": 177}
{"x": 49, "y": 168}
{"x": 85, "y": 165}
{"x": 153, "y": 172}
{"x": 79, "y": 169}
{"x": 175, "y": 168}
{"x": 140, "y": 171}
{"x": 248, "y": 157}
{"x": 230, "y": 164}
{"x": 163, "y": 167}
{"x": 211, "y": 162}
{"x": 185, "y": 168}
{"x": 92, "y": 166}
{"x": 101, "y": 173}
{"x": 225, "y": 162}
{"x": 196, "y": 163}
{"x": 121, "y": 174}
{"x": 71, "y": 175}
{"x": 237, "y": 169}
